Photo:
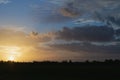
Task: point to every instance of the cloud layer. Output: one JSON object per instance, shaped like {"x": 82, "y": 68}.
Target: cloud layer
{"x": 69, "y": 10}
{"x": 93, "y": 29}
{"x": 87, "y": 33}
{"x": 89, "y": 48}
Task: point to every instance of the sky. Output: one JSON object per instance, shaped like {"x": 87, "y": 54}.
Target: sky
{"x": 57, "y": 30}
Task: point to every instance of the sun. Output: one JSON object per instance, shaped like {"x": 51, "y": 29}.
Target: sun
{"x": 12, "y": 53}
{"x": 11, "y": 58}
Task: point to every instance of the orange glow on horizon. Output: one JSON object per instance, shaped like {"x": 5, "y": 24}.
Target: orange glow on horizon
{"x": 11, "y": 53}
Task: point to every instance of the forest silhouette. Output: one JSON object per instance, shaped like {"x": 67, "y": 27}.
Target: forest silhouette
{"x": 65, "y": 70}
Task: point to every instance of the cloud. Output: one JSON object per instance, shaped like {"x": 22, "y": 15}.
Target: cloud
{"x": 69, "y": 10}
{"x": 66, "y": 12}
{"x": 87, "y": 33}
{"x": 85, "y": 22}
{"x": 37, "y": 46}
{"x": 32, "y": 45}
{"x": 88, "y": 48}
{"x": 9, "y": 36}
{"x": 118, "y": 32}
{"x": 89, "y": 51}
{"x": 83, "y": 6}
{"x": 114, "y": 21}
{"x": 57, "y": 11}
{"x": 4, "y": 1}
{"x": 45, "y": 37}
{"x": 103, "y": 7}
{"x": 48, "y": 13}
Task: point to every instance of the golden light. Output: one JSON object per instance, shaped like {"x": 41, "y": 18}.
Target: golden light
{"x": 11, "y": 58}
{"x": 12, "y": 49}
{"x": 12, "y": 52}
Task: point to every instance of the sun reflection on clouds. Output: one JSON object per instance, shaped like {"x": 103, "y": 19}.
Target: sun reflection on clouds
{"x": 12, "y": 49}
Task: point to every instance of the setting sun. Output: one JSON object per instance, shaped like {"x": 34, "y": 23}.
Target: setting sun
{"x": 11, "y": 58}
{"x": 11, "y": 53}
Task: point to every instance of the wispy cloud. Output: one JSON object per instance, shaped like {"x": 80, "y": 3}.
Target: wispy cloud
{"x": 4, "y": 1}
{"x": 66, "y": 10}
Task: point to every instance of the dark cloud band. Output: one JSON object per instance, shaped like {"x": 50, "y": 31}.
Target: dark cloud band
{"x": 87, "y": 33}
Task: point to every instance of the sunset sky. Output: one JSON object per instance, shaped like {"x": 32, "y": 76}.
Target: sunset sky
{"x": 56, "y": 30}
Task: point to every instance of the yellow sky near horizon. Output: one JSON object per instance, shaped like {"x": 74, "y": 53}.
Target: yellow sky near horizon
{"x": 18, "y": 46}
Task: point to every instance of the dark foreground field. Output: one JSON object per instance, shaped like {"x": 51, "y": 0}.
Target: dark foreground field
{"x": 59, "y": 71}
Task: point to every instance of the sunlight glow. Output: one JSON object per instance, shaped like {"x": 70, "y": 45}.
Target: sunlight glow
{"x": 11, "y": 58}
{"x": 12, "y": 52}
